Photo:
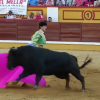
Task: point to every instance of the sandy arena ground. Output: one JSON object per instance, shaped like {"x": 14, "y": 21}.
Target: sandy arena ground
{"x": 57, "y": 90}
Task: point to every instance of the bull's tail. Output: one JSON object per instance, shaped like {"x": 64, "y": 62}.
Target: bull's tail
{"x": 87, "y": 61}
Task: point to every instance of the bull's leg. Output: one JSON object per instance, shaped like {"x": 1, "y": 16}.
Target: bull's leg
{"x": 38, "y": 78}
{"x": 22, "y": 75}
{"x": 64, "y": 76}
{"x": 67, "y": 82}
{"x": 81, "y": 78}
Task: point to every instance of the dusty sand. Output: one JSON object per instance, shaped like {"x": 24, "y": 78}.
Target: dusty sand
{"x": 57, "y": 90}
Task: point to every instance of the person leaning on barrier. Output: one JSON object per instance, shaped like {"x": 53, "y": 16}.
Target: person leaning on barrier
{"x": 49, "y": 19}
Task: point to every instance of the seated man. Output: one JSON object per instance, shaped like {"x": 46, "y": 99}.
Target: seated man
{"x": 31, "y": 16}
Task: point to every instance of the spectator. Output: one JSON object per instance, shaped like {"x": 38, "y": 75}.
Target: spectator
{"x": 55, "y": 2}
{"x": 39, "y": 16}
{"x": 89, "y": 3}
{"x": 60, "y": 2}
{"x": 49, "y": 2}
{"x": 70, "y": 2}
{"x": 97, "y": 3}
{"x": 79, "y": 2}
{"x": 10, "y": 15}
{"x": 45, "y": 1}
{"x": 49, "y": 19}
{"x": 41, "y": 3}
{"x": 33, "y": 2}
{"x": 31, "y": 16}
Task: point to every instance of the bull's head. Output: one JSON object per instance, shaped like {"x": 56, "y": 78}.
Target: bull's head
{"x": 12, "y": 60}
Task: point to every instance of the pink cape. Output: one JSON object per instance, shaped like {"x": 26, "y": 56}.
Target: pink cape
{"x": 11, "y": 75}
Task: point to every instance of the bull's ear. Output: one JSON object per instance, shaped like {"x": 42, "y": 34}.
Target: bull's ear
{"x": 14, "y": 48}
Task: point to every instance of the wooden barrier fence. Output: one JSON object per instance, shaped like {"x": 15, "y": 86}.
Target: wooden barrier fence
{"x": 23, "y": 29}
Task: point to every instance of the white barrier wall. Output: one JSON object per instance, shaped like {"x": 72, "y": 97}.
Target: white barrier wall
{"x": 52, "y": 42}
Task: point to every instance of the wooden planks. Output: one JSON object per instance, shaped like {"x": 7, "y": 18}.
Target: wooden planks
{"x": 56, "y": 31}
{"x": 8, "y": 30}
{"x": 91, "y": 32}
{"x": 70, "y": 32}
{"x": 26, "y": 29}
{"x": 53, "y": 31}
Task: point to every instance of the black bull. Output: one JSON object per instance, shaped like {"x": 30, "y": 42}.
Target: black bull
{"x": 42, "y": 61}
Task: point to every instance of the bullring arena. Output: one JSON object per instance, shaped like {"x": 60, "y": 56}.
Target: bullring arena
{"x": 78, "y": 35}
{"x": 57, "y": 90}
